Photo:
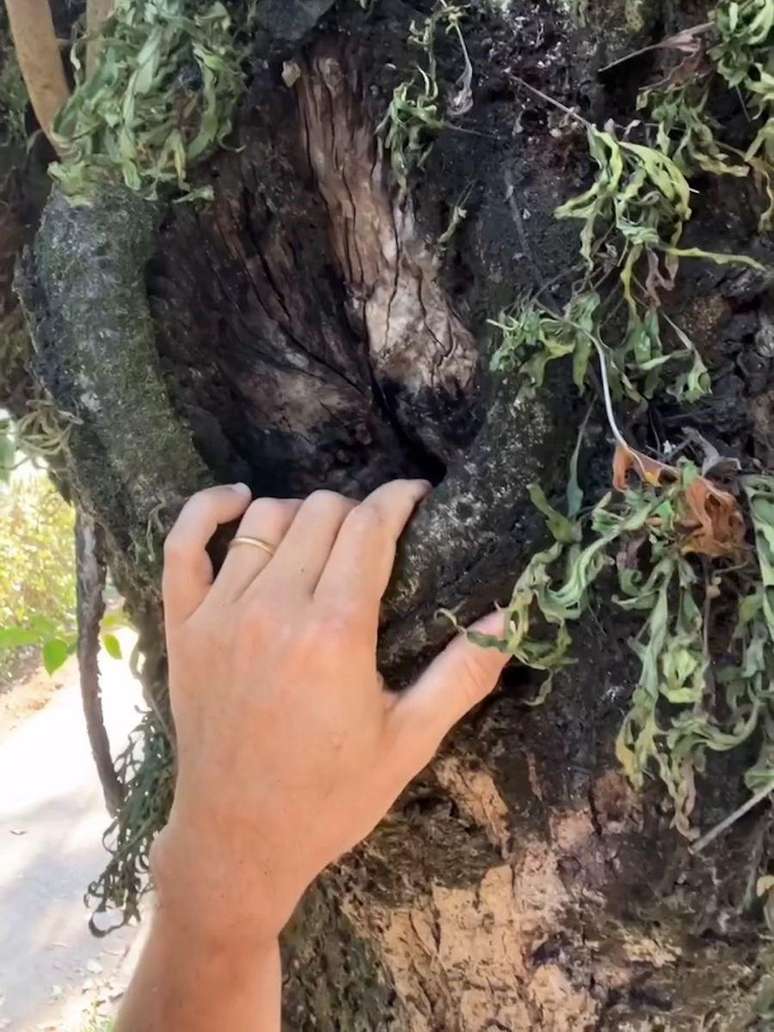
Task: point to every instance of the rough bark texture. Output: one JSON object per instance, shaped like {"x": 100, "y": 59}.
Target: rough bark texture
{"x": 303, "y": 331}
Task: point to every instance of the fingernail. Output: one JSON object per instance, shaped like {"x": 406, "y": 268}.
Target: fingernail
{"x": 242, "y": 489}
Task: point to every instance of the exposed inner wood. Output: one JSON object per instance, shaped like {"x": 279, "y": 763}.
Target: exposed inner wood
{"x": 422, "y": 356}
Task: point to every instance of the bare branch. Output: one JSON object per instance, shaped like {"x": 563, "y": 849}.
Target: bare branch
{"x": 91, "y": 583}
{"x": 37, "y": 49}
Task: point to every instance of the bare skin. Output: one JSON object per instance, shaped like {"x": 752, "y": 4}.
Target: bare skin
{"x": 290, "y": 746}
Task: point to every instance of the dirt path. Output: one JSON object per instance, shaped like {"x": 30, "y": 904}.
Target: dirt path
{"x": 53, "y": 974}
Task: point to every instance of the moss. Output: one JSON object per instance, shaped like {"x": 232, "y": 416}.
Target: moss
{"x": 85, "y": 297}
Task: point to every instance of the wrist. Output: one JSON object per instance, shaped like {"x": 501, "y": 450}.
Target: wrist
{"x": 208, "y": 945}
{"x": 219, "y": 901}
{"x": 188, "y": 979}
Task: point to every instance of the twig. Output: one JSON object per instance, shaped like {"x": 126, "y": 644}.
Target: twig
{"x": 740, "y": 98}
{"x": 675, "y": 42}
{"x": 620, "y": 439}
{"x": 40, "y": 61}
{"x": 7, "y": 470}
{"x": 551, "y": 100}
{"x": 91, "y": 606}
{"x": 510, "y": 196}
{"x": 724, "y": 825}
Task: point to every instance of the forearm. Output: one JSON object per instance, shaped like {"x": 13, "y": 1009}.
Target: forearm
{"x": 198, "y": 986}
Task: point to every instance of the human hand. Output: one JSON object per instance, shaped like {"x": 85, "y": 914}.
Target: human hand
{"x": 290, "y": 747}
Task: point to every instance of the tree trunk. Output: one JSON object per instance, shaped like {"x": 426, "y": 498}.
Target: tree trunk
{"x": 306, "y": 330}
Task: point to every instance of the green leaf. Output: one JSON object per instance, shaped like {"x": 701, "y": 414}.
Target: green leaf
{"x": 37, "y": 629}
{"x": 715, "y": 256}
{"x": 7, "y": 450}
{"x": 563, "y": 530}
{"x": 56, "y": 652}
{"x": 112, "y": 646}
{"x": 574, "y": 490}
{"x": 17, "y": 637}
{"x": 760, "y": 497}
{"x": 114, "y": 620}
{"x": 162, "y": 97}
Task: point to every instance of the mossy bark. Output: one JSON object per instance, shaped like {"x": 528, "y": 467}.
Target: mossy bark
{"x": 305, "y": 330}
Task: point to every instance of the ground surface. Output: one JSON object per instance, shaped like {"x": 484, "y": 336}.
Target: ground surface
{"x": 53, "y": 974}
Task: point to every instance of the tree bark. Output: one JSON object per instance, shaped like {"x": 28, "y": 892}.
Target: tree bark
{"x": 305, "y": 330}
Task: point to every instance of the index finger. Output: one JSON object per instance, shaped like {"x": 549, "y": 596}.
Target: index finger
{"x": 358, "y": 569}
{"x": 188, "y": 570}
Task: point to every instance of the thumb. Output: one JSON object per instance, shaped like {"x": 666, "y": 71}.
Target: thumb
{"x": 458, "y": 679}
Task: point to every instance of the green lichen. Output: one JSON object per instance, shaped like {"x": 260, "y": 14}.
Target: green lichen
{"x": 89, "y": 265}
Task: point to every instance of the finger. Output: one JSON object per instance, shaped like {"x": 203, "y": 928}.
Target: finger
{"x": 267, "y": 520}
{"x": 187, "y": 567}
{"x": 456, "y": 681}
{"x": 304, "y": 551}
{"x": 361, "y": 561}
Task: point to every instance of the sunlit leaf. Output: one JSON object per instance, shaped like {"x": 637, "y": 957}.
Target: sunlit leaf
{"x": 112, "y": 646}
{"x": 56, "y": 652}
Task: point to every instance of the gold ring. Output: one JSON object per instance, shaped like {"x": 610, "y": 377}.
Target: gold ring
{"x": 255, "y": 542}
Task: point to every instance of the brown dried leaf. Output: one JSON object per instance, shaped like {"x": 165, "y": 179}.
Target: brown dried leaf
{"x": 714, "y": 519}
{"x": 651, "y": 471}
{"x": 662, "y": 270}
{"x": 711, "y": 517}
{"x": 687, "y": 42}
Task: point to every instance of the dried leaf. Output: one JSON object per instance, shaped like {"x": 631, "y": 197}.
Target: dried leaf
{"x": 651, "y": 471}
{"x": 161, "y": 97}
{"x": 709, "y": 517}
{"x": 717, "y": 519}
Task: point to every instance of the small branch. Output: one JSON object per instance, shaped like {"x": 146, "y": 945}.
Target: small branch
{"x": 91, "y": 606}
{"x": 682, "y": 42}
{"x": 609, "y": 410}
{"x": 724, "y": 825}
{"x": 513, "y": 203}
{"x": 40, "y": 61}
{"x": 551, "y": 100}
{"x": 97, "y": 13}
